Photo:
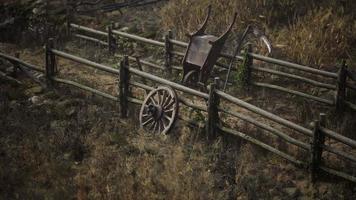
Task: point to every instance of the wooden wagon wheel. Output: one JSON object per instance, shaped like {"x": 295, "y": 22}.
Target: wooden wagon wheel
{"x": 159, "y": 110}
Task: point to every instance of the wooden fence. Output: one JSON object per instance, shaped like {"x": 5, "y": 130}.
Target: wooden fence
{"x": 341, "y": 81}
{"x": 214, "y": 108}
{"x": 314, "y": 147}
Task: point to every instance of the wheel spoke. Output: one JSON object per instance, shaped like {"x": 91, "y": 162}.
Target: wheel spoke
{"x": 169, "y": 104}
{"x": 159, "y": 97}
{"x": 168, "y": 118}
{"x": 150, "y": 120}
{"x": 153, "y": 100}
{"x": 152, "y": 126}
{"x": 164, "y": 124}
{"x": 159, "y": 126}
{"x": 169, "y": 110}
{"x": 163, "y": 97}
{"x": 167, "y": 100}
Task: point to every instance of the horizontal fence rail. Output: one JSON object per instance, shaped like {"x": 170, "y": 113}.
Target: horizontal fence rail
{"x": 293, "y": 65}
{"x": 296, "y": 77}
{"x": 264, "y": 113}
{"x": 83, "y": 87}
{"x": 274, "y": 131}
{"x": 80, "y": 36}
{"x": 25, "y": 64}
{"x": 85, "y": 61}
{"x": 294, "y": 92}
{"x": 138, "y": 38}
{"x": 90, "y": 30}
{"x": 263, "y": 145}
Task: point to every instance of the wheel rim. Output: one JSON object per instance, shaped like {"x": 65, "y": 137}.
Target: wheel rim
{"x": 191, "y": 79}
{"x": 159, "y": 110}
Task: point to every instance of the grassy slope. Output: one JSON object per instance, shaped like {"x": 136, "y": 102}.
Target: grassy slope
{"x": 72, "y": 145}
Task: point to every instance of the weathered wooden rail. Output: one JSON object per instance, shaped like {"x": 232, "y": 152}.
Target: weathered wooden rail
{"x": 339, "y": 86}
{"x": 214, "y": 123}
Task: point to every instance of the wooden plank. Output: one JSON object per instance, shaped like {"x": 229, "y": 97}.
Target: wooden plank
{"x": 274, "y": 131}
{"x": 338, "y": 173}
{"x": 299, "y": 78}
{"x": 86, "y": 29}
{"x": 21, "y": 62}
{"x": 301, "y": 94}
{"x": 179, "y": 43}
{"x": 91, "y": 39}
{"x": 264, "y": 113}
{"x": 86, "y": 88}
{"x": 134, "y": 100}
{"x": 339, "y": 153}
{"x": 294, "y": 66}
{"x": 139, "y": 38}
{"x": 263, "y": 145}
{"x": 85, "y": 62}
{"x": 338, "y": 137}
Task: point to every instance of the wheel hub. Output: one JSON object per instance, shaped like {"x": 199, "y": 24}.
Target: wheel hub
{"x": 155, "y": 111}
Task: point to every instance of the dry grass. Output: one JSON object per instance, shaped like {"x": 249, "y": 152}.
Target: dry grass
{"x": 310, "y": 32}
{"x": 320, "y": 38}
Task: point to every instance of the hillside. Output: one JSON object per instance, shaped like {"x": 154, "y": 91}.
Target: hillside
{"x": 64, "y": 143}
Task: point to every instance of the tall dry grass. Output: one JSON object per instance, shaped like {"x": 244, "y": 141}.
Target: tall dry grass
{"x": 310, "y": 32}
{"x": 320, "y": 38}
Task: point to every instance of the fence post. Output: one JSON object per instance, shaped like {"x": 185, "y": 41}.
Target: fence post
{"x": 124, "y": 86}
{"x": 341, "y": 87}
{"x": 50, "y": 64}
{"x": 213, "y": 112}
{"x": 168, "y": 51}
{"x": 111, "y": 40}
{"x": 316, "y": 150}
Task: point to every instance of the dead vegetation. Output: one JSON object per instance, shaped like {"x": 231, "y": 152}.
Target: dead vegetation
{"x": 317, "y": 33}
